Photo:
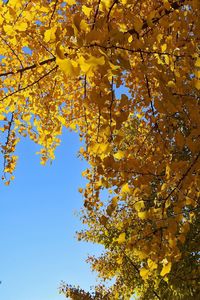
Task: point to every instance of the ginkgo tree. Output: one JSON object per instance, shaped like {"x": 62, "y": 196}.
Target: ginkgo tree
{"x": 61, "y": 64}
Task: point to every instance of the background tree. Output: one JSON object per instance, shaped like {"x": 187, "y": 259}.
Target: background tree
{"x": 61, "y": 63}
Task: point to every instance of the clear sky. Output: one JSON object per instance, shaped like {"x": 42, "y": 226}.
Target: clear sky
{"x": 38, "y": 247}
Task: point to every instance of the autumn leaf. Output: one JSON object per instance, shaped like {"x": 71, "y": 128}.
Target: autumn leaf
{"x": 125, "y": 78}
{"x": 151, "y": 264}
{"x": 86, "y": 10}
{"x": 119, "y": 155}
{"x": 144, "y": 273}
{"x": 121, "y": 239}
{"x": 126, "y": 189}
{"x": 88, "y": 66}
{"x": 166, "y": 269}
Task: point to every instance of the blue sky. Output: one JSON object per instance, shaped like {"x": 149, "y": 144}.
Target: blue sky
{"x": 37, "y": 225}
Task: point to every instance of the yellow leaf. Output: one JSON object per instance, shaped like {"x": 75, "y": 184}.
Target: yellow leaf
{"x": 167, "y": 171}
{"x": 62, "y": 120}
{"x": 163, "y": 187}
{"x": 197, "y": 84}
{"x": 139, "y": 205}
{"x": 26, "y": 117}
{"x": 50, "y": 34}
{"x": 122, "y": 238}
{"x": 8, "y": 29}
{"x": 144, "y": 273}
{"x": 159, "y": 37}
{"x": 119, "y": 260}
{"x": 140, "y": 254}
{"x": 172, "y": 242}
{"x": 197, "y": 63}
{"x": 86, "y": 10}
{"x": 167, "y": 4}
{"x": 71, "y": 2}
{"x": 73, "y": 126}
{"x": 152, "y": 265}
{"x": 104, "y": 4}
{"x": 66, "y": 65}
{"x": 114, "y": 67}
{"x": 91, "y": 64}
{"x": 104, "y": 148}
{"x": 119, "y": 155}
{"x": 142, "y": 215}
{"x": 84, "y": 26}
{"x": 167, "y": 59}
{"x": 125, "y": 189}
{"x": 22, "y": 26}
{"x": 130, "y": 39}
{"x": 60, "y": 50}
{"x": 166, "y": 269}
{"x": 171, "y": 84}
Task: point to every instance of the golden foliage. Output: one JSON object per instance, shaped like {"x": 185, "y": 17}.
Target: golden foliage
{"x": 62, "y": 63}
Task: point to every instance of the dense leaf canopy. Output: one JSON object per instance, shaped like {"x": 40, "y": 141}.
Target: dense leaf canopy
{"x": 124, "y": 74}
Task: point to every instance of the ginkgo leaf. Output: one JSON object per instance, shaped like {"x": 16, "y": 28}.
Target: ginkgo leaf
{"x": 22, "y": 26}
{"x": 73, "y": 126}
{"x": 197, "y": 62}
{"x": 152, "y": 264}
{"x": 60, "y": 51}
{"x": 163, "y": 47}
{"x": 142, "y": 255}
{"x": 8, "y": 29}
{"x": 71, "y": 2}
{"x": 159, "y": 37}
{"x": 139, "y": 205}
{"x": 197, "y": 84}
{"x": 66, "y": 65}
{"x": 171, "y": 84}
{"x": 167, "y": 4}
{"x": 167, "y": 171}
{"x": 120, "y": 260}
{"x": 122, "y": 238}
{"x": 50, "y": 34}
{"x": 144, "y": 273}
{"x": 126, "y": 189}
{"x": 166, "y": 269}
{"x": 80, "y": 190}
{"x": 104, "y": 148}
{"x": 142, "y": 215}
{"x": 125, "y": 78}
{"x": 105, "y": 4}
{"x": 88, "y": 66}
{"x": 119, "y": 155}
{"x": 87, "y": 10}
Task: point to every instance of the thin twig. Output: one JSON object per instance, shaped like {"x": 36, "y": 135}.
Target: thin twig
{"x": 29, "y": 85}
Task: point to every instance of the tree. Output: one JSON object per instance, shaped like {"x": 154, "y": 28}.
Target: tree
{"x": 61, "y": 64}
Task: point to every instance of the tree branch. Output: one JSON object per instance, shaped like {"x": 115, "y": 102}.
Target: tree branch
{"x": 29, "y": 85}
